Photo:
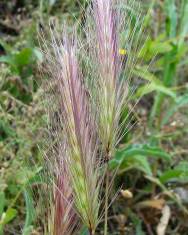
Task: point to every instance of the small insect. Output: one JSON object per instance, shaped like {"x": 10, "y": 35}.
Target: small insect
{"x": 123, "y": 57}
{"x": 122, "y": 52}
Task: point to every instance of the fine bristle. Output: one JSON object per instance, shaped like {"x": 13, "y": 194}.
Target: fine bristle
{"x": 76, "y": 125}
{"x": 114, "y": 56}
{"x": 85, "y": 93}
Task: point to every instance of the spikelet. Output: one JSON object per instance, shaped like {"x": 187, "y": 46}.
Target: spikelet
{"x": 71, "y": 117}
{"x": 56, "y": 195}
{"x": 69, "y": 100}
{"x": 111, "y": 69}
{"x": 113, "y": 63}
{"x": 64, "y": 218}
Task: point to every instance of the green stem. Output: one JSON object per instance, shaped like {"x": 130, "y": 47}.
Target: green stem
{"x": 168, "y": 81}
{"x": 106, "y": 202}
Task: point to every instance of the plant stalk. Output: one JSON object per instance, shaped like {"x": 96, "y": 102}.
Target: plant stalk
{"x": 168, "y": 81}
{"x": 91, "y": 232}
{"x": 106, "y": 202}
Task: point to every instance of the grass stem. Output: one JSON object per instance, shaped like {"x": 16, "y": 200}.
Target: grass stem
{"x": 106, "y": 202}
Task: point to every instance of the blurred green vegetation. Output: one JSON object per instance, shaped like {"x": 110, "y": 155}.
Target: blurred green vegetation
{"x": 152, "y": 158}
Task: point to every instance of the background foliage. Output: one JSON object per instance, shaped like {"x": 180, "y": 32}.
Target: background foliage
{"x": 152, "y": 158}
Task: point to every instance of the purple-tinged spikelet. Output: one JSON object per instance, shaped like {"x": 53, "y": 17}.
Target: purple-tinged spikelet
{"x": 72, "y": 119}
{"x": 107, "y": 53}
{"x": 110, "y": 59}
{"x": 76, "y": 126}
{"x": 59, "y": 216}
{"x": 64, "y": 214}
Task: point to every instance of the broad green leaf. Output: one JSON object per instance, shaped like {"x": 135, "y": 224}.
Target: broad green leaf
{"x": 173, "y": 175}
{"x": 154, "y": 85}
{"x": 9, "y": 215}
{"x": 160, "y": 47}
{"x": 145, "y": 74}
{"x": 138, "y": 162}
{"x": 19, "y": 59}
{"x": 144, "y": 90}
{"x": 179, "y": 174}
{"x": 135, "y": 153}
{"x": 23, "y": 57}
{"x": 151, "y": 48}
{"x": 148, "y": 88}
